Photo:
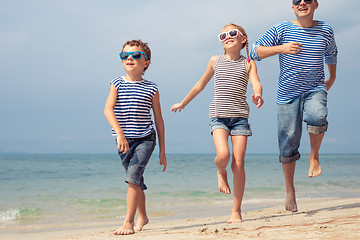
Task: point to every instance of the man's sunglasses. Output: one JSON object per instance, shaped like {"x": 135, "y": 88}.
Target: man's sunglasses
{"x": 232, "y": 33}
{"x": 136, "y": 55}
{"x": 297, "y": 2}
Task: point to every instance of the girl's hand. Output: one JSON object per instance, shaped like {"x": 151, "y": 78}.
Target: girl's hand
{"x": 177, "y": 106}
{"x": 257, "y": 100}
{"x": 123, "y": 144}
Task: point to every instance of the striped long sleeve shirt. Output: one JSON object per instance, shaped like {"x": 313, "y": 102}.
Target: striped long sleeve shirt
{"x": 304, "y": 72}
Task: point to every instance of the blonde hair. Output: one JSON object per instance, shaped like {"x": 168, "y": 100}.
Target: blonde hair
{"x": 242, "y": 30}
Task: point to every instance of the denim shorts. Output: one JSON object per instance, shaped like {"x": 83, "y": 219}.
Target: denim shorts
{"x": 312, "y": 109}
{"x": 234, "y": 126}
{"x": 137, "y": 157}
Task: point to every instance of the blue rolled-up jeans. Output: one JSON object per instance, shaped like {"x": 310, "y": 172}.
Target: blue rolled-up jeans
{"x": 311, "y": 108}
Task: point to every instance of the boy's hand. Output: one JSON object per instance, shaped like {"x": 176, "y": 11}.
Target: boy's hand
{"x": 163, "y": 160}
{"x": 257, "y": 100}
{"x": 291, "y": 48}
{"x": 123, "y": 144}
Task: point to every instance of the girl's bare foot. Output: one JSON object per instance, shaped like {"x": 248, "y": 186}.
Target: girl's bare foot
{"x": 235, "y": 217}
{"x": 315, "y": 168}
{"x": 223, "y": 183}
{"x": 125, "y": 229}
{"x": 141, "y": 223}
{"x": 290, "y": 201}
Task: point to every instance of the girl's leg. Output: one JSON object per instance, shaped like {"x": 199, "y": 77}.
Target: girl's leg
{"x": 238, "y": 160}
{"x": 133, "y": 196}
{"x": 220, "y": 137}
{"x": 142, "y": 216}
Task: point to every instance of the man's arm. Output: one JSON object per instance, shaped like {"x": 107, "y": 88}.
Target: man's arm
{"x": 287, "y": 48}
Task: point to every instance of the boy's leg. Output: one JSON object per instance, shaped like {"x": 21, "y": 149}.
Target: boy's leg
{"x": 290, "y": 200}
{"x": 237, "y": 166}
{"x": 142, "y": 216}
{"x": 132, "y": 199}
{"x": 315, "y": 115}
{"x": 222, "y": 158}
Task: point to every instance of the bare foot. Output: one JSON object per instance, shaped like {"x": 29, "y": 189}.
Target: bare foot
{"x": 290, "y": 201}
{"x": 235, "y": 217}
{"x": 315, "y": 168}
{"x": 223, "y": 183}
{"x": 125, "y": 229}
{"x": 140, "y": 224}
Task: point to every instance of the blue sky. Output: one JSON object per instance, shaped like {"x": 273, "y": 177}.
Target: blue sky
{"x": 58, "y": 57}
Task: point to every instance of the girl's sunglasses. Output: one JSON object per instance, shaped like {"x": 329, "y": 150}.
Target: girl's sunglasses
{"x": 232, "y": 33}
{"x": 297, "y": 2}
{"x": 136, "y": 55}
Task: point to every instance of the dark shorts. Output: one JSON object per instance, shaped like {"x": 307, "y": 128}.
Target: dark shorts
{"x": 137, "y": 157}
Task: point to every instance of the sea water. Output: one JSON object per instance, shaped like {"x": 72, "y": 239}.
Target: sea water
{"x": 41, "y": 189}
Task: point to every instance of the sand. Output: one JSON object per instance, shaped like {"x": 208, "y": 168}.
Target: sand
{"x": 316, "y": 219}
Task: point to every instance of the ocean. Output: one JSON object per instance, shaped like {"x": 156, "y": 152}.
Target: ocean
{"x": 58, "y": 190}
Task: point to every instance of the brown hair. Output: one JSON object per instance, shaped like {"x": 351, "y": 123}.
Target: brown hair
{"x": 242, "y": 30}
{"x": 142, "y": 45}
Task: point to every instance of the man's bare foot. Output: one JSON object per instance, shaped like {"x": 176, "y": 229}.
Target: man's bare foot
{"x": 125, "y": 229}
{"x": 290, "y": 201}
{"x": 315, "y": 168}
{"x": 141, "y": 223}
{"x": 223, "y": 183}
{"x": 235, "y": 217}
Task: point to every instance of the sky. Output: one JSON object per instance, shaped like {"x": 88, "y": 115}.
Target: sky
{"x": 57, "y": 59}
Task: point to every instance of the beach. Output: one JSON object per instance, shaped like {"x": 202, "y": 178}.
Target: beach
{"x": 316, "y": 219}
{"x": 83, "y": 196}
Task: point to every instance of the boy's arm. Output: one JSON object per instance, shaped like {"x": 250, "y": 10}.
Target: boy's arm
{"x": 198, "y": 87}
{"x": 160, "y": 128}
{"x": 256, "y": 85}
{"x": 109, "y": 113}
{"x": 332, "y": 75}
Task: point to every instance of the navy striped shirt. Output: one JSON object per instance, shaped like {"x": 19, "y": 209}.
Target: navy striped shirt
{"x": 230, "y": 86}
{"x": 304, "y": 72}
{"x": 133, "y": 105}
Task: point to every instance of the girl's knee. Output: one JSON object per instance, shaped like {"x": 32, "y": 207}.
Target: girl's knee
{"x": 222, "y": 158}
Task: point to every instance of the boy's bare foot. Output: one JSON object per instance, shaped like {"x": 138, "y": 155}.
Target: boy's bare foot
{"x": 290, "y": 201}
{"x": 315, "y": 168}
{"x": 125, "y": 229}
{"x": 235, "y": 217}
{"x": 141, "y": 223}
{"x": 223, "y": 183}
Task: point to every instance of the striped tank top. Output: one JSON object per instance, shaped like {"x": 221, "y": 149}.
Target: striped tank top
{"x": 133, "y": 105}
{"x": 230, "y": 86}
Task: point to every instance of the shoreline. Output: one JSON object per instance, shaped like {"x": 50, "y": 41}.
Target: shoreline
{"x": 327, "y": 218}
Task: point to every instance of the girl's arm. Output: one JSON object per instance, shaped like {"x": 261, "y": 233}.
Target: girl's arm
{"x": 255, "y": 84}
{"x": 160, "y": 128}
{"x": 198, "y": 87}
{"x": 109, "y": 113}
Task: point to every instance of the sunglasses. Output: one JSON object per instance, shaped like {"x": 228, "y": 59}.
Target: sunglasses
{"x": 232, "y": 33}
{"x": 297, "y": 2}
{"x": 136, "y": 55}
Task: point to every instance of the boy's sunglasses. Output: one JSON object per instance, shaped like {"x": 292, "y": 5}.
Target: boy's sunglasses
{"x": 232, "y": 33}
{"x": 136, "y": 55}
{"x": 297, "y": 2}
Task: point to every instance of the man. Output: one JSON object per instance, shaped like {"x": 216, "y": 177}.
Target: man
{"x": 302, "y": 46}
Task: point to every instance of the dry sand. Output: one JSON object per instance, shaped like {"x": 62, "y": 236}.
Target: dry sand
{"x": 316, "y": 219}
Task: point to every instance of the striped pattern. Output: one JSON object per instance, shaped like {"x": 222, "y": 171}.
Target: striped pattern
{"x": 230, "y": 86}
{"x": 304, "y": 72}
{"x": 133, "y": 106}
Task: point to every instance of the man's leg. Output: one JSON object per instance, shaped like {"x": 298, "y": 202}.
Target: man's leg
{"x": 290, "y": 200}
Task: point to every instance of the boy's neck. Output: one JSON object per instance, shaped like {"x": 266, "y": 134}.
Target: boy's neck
{"x": 133, "y": 78}
{"x": 305, "y": 23}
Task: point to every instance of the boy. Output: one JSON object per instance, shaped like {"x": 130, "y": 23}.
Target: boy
{"x": 302, "y": 45}
{"x": 127, "y": 109}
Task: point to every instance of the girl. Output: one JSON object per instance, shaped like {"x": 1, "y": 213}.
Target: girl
{"x": 229, "y": 110}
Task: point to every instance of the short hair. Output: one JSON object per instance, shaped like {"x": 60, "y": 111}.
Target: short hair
{"x": 144, "y": 46}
